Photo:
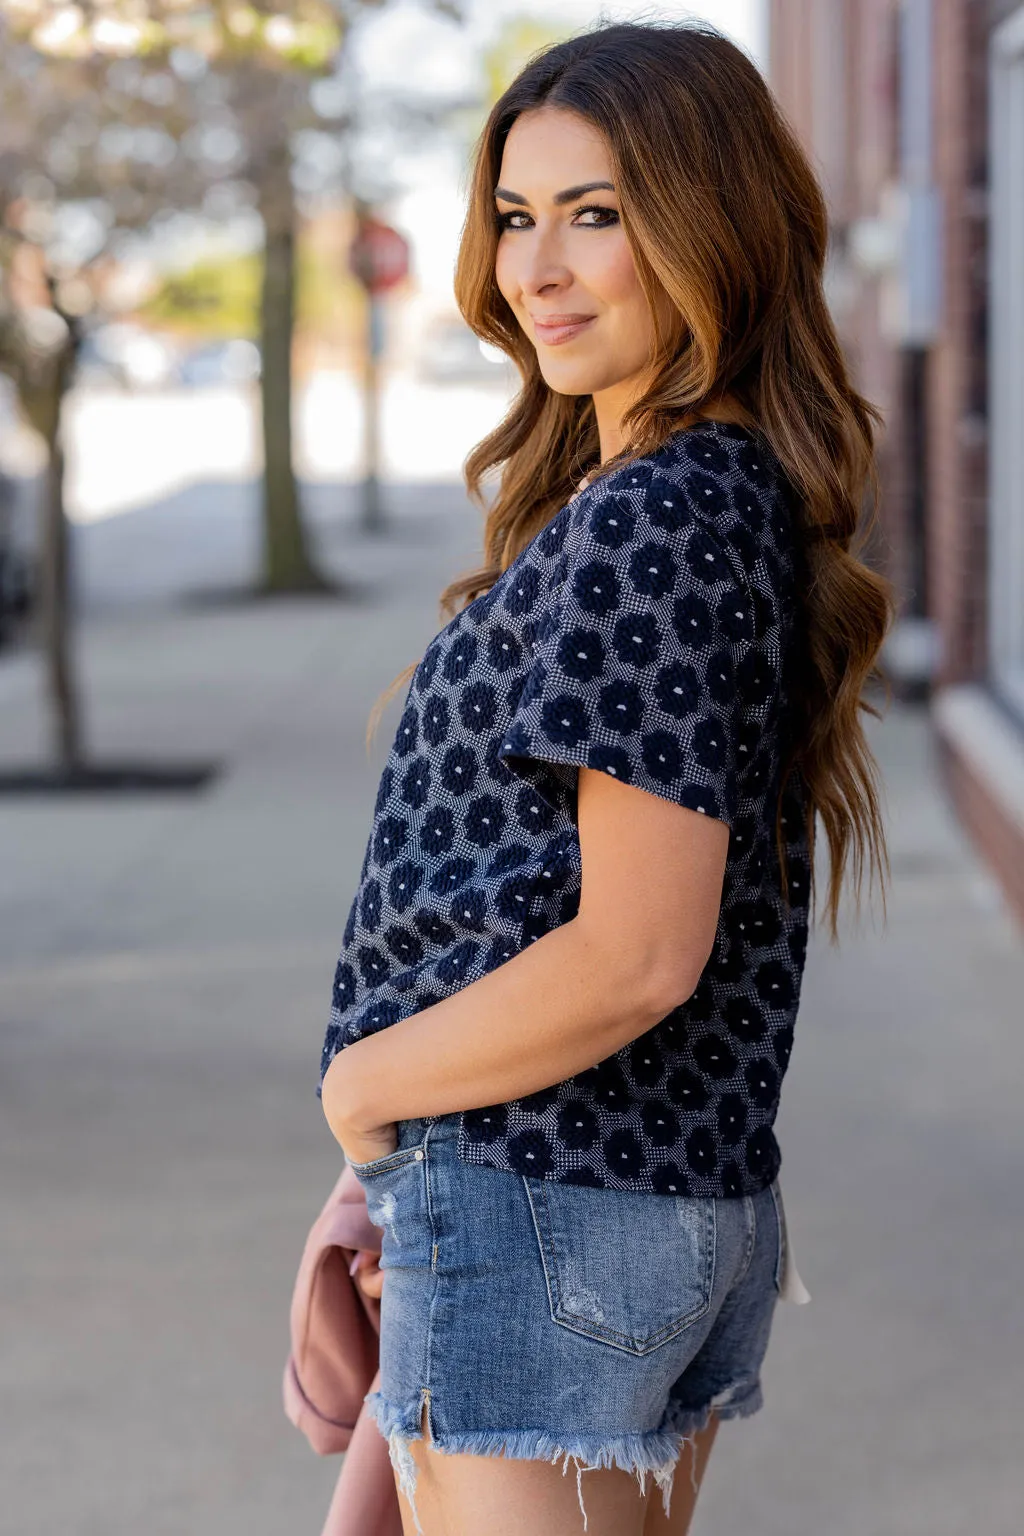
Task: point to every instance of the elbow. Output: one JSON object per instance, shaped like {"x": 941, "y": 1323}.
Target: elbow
{"x": 655, "y": 972}
{"x": 663, "y": 979}
{"x": 673, "y": 983}
{"x": 673, "y": 968}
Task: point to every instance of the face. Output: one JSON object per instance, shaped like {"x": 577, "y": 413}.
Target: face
{"x": 563, "y": 262}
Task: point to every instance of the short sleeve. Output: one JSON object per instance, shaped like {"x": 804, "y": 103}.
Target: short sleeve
{"x": 640, "y": 654}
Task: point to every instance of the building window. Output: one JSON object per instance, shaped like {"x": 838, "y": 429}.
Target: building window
{"x": 1006, "y": 338}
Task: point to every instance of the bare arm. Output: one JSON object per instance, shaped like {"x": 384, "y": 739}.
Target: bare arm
{"x": 650, "y": 899}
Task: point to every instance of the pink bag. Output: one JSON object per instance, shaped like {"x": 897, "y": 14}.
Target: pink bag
{"x": 333, "y": 1365}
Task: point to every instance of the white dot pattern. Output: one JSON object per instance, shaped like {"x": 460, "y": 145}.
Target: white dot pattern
{"x": 645, "y": 632}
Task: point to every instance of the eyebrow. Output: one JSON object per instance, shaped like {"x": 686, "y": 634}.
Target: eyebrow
{"x": 569, "y": 195}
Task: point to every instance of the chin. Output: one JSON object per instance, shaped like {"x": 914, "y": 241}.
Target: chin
{"x": 579, "y": 380}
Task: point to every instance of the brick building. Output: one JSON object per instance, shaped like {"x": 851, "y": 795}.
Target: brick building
{"x": 914, "y": 113}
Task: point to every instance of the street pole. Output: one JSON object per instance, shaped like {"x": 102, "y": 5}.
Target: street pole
{"x": 379, "y": 258}
{"x": 372, "y": 511}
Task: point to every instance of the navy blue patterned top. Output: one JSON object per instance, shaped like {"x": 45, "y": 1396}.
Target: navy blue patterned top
{"x": 646, "y": 632}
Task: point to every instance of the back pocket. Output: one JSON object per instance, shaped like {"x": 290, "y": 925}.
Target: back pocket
{"x": 630, "y": 1270}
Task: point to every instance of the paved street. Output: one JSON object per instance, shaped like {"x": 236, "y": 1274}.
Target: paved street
{"x": 165, "y": 968}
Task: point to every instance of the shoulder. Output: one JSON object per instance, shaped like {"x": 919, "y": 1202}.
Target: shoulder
{"x": 715, "y": 495}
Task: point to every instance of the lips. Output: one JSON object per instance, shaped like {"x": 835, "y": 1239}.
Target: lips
{"x": 554, "y": 330}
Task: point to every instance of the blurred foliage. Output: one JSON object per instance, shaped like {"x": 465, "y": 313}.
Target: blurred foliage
{"x": 304, "y": 35}
{"x": 215, "y": 297}
{"x": 220, "y": 296}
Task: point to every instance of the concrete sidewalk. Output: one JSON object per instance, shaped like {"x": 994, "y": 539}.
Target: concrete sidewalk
{"x": 165, "y": 969}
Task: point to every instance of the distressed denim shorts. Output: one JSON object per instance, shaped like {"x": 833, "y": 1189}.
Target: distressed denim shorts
{"x": 552, "y": 1321}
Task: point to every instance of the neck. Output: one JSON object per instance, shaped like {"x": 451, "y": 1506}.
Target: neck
{"x": 611, "y": 405}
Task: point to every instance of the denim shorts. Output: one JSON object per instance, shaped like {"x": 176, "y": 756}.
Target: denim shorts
{"x": 552, "y": 1321}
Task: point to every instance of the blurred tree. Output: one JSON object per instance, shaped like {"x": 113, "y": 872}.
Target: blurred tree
{"x": 88, "y": 153}
{"x": 112, "y": 114}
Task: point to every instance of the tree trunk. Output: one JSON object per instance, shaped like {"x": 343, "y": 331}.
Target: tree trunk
{"x": 286, "y": 563}
{"x": 44, "y": 404}
{"x": 56, "y": 619}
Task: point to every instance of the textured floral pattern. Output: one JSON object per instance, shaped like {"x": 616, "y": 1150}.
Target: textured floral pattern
{"x": 646, "y": 632}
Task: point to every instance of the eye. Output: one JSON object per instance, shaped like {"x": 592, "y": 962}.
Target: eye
{"x": 505, "y": 220}
{"x": 603, "y": 218}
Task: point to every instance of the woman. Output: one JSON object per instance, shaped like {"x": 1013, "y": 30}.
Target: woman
{"x": 566, "y": 997}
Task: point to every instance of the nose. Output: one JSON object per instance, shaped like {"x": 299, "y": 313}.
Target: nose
{"x": 543, "y": 268}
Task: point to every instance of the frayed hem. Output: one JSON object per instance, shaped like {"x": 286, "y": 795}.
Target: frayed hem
{"x": 735, "y": 1402}
{"x": 655, "y": 1454}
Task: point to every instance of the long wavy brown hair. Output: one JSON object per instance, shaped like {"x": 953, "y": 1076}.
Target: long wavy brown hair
{"x": 725, "y": 217}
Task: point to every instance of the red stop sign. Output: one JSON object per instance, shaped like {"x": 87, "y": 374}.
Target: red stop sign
{"x": 379, "y": 255}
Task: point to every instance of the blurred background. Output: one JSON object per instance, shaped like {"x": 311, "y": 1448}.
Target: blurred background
{"x": 235, "y": 396}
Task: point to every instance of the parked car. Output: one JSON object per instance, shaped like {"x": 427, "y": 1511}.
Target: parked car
{"x": 451, "y": 353}
{"x": 127, "y": 354}
{"x": 220, "y": 362}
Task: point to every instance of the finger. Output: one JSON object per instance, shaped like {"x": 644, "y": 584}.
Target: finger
{"x": 371, "y": 1282}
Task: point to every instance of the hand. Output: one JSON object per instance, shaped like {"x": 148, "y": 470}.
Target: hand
{"x": 368, "y": 1274}
{"x": 361, "y": 1140}
{"x": 362, "y": 1145}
